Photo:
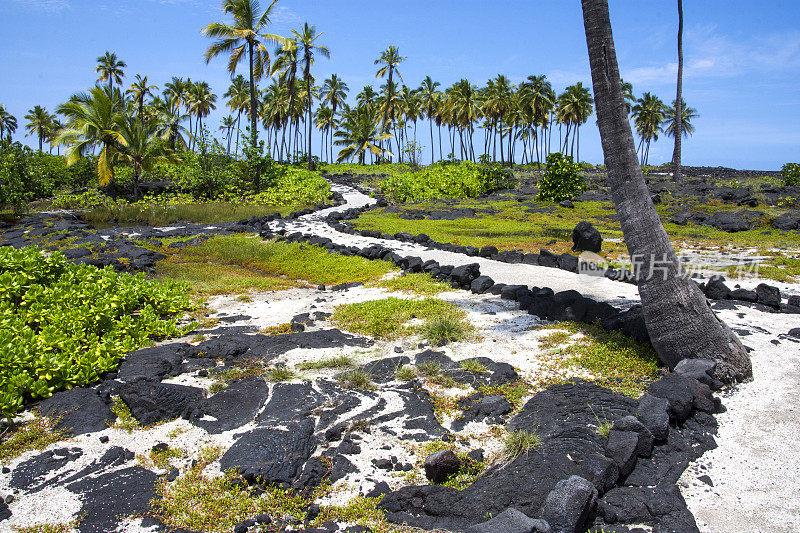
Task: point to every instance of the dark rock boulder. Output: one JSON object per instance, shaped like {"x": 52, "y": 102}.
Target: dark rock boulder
{"x": 384, "y": 370}
{"x": 439, "y": 466}
{"x": 732, "y": 222}
{"x": 621, "y": 446}
{"x": 488, "y": 251}
{"x": 786, "y": 222}
{"x": 77, "y": 411}
{"x": 465, "y": 274}
{"x": 717, "y": 290}
{"x": 644, "y": 445}
{"x": 567, "y": 305}
{"x": 744, "y": 295}
{"x": 569, "y": 505}
{"x": 768, "y": 295}
{"x": 646, "y": 505}
{"x": 653, "y": 412}
{"x": 152, "y": 363}
{"x": 478, "y": 407}
{"x": 585, "y": 237}
{"x": 481, "y": 284}
{"x": 677, "y": 390}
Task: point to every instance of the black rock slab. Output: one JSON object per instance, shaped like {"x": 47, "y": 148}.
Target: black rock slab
{"x": 151, "y": 403}
{"x": 233, "y": 406}
{"x": 77, "y": 411}
{"x": 37, "y": 472}
{"x": 272, "y": 455}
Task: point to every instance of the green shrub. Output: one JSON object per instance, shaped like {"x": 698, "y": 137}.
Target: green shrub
{"x": 561, "y": 180}
{"x": 62, "y": 325}
{"x": 464, "y": 180}
{"x": 791, "y": 173}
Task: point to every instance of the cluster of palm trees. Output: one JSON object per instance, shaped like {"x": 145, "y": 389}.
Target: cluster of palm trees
{"x": 652, "y": 117}
{"x": 518, "y": 121}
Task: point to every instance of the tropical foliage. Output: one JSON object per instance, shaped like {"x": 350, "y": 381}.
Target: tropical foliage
{"x": 561, "y": 180}
{"x": 63, "y": 325}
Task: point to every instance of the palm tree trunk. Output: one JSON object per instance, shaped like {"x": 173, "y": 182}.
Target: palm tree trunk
{"x": 253, "y": 108}
{"x": 679, "y": 320}
{"x": 431, "y": 125}
{"x": 676, "y": 153}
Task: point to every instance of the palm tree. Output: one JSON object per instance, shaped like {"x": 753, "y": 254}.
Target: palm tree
{"x": 92, "y": 121}
{"x": 39, "y": 121}
{"x": 238, "y": 96}
{"x": 334, "y": 93}
{"x": 226, "y": 125}
{"x": 201, "y": 102}
{"x": 305, "y": 40}
{"x": 429, "y": 101}
{"x": 138, "y": 90}
{"x": 497, "y": 105}
{"x": 110, "y": 69}
{"x": 389, "y": 59}
{"x": 359, "y": 133}
{"x": 286, "y": 64}
{"x": 672, "y": 122}
{"x": 138, "y": 143}
{"x": 245, "y": 35}
{"x": 678, "y": 112}
{"x": 8, "y": 123}
{"x": 627, "y": 94}
{"x": 325, "y": 121}
{"x": 677, "y": 315}
{"x": 168, "y": 117}
{"x": 648, "y": 115}
{"x": 574, "y": 106}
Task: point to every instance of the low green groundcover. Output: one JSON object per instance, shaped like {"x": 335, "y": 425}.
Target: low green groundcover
{"x": 62, "y": 325}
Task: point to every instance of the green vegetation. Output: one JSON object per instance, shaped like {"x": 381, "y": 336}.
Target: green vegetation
{"x": 125, "y": 419}
{"x": 418, "y": 283}
{"x": 47, "y": 528}
{"x": 161, "y": 458}
{"x": 791, "y": 173}
{"x": 280, "y": 373}
{"x": 355, "y": 378}
{"x": 447, "y": 327}
{"x": 63, "y": 325}
{"x": 513, "y": 392}
{"x": 616, "y": 361}
{"x": 237, "y": 263}
{"x": 36, "y": 434}
{"x": 202, "y": 503}
{"x": 406, "y": 373}
{"x": 474, "y": 366}
{"x": 562, "y": 179}
{"x": 245, "y": 370}
{"x": 465, "y": 180}
{"x": 388, "y": 318}
{"x": 519, "y": 442}
{"x": 338, "y": 361}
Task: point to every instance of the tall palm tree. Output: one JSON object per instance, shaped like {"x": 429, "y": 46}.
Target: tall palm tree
{"x": 305, "y": 40}
{"x": 367, "y": 97}
{"x": 8, "y": 123}
{"x": 679, "y": 320}
{"x": 648, "y": 115}
{"x": 92, "y": 121}
{"x": 245, "y": 35}
{"x": 139, "y": 90}
{"x": 359, "y": 133}
{"x": 685, "y": 122}
{"x": 574, "y": 107}
{"x": 226, "y": 126}
{"x": 286, "y": 65}
{"x": 676, "y": 153}
{"x": 389, "y": 60}
{"x": 498, "y": 104}
{"x": 334, "y": 93}
{"x": 238, "y": 95}
{"x": 110, "y": 68}
{"x": 39, "y": 121}
{"x": 201, "y": 102}
{"x": 429, "y": 101}
{"x": 325, "y": 121}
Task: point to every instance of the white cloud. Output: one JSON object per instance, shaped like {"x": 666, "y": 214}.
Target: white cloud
{"x": 50, "y": 6}
{"x": 284, "y": 15}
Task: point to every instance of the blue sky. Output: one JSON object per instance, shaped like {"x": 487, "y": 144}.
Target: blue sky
{"x": 742, "y": 57}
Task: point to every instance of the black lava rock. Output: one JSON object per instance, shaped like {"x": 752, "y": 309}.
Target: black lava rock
{"x": 585, "y": 237}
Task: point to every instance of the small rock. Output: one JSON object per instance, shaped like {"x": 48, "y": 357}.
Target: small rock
{"x": 705, "y": 479}
{"x": 621, "y": 446}
{"x": 263, "y": 519}
{"x": 476, "y": 455}
{"x": 172, "y": 475}
{"x": 103, "y": 439}
{"x": 398, "y": 349}
{"x": 567, "y": 507}
{"x": 768, "y": 295}
{"x": 441, "y": 465}
{"x": 568, "y": 204}
{"x": 161, "y": 447}
{"x": 511, "y": 521}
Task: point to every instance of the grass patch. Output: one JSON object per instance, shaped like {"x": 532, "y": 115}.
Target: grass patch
{"x": 519, "y": 442}
{"x": 616, "y": 361}
{"x": 67, "y": 527}
{"x": 278, "y": 329}
{"x": 406, "y": 373}
{"x": 281, "y": 373}
{"x": 387, "y": 318}
{"x": 474, "y": 366}
{"x": 238, "y": 263}
{"x": 418, "y": 283}
{"x": 339, "y": 361}
{"x": 355, "y": 379}
{"x": 513, "y": 392}
{"x": 447, "y": 327}
{"x": 216, "y": 505}
{"x": 35, "y": 434}
{"x": 246, "y": 370}
{"x": 161, "y": 458}
{"x": 553, "y": 339}
{"x": 153, "y": 214}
